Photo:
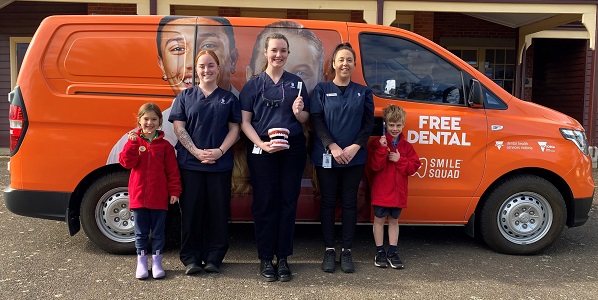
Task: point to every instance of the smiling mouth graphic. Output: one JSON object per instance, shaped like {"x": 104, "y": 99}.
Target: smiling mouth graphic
{"x": 188, "y": 81}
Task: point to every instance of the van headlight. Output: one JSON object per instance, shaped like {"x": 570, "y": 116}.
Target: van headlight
{"x": 578, "y": 137}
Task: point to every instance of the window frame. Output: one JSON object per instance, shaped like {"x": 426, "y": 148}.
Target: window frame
{"x": 481, "y": 60}
{"x": 13, "y": 43}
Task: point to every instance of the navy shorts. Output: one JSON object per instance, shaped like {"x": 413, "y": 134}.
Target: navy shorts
{"x": 381, "y": 211}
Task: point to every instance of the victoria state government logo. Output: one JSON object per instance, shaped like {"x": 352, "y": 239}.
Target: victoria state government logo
{"x": 498, "y": 144}
{"x": 545, "y": 147}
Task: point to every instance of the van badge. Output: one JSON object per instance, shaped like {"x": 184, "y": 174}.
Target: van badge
{"x": 545, "y": 147}
{"x": 498, "y": 144}
{"x": 142, "y": 148}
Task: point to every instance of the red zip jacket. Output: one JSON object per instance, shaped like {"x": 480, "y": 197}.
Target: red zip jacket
{"x": 388, "y": 180}
{"x": 154, "y": 172}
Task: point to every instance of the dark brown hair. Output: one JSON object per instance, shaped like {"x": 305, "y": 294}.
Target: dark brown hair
{"x": 339, "y": 47}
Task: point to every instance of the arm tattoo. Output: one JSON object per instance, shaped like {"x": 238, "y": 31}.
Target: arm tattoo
{"x": 185, "y": 139}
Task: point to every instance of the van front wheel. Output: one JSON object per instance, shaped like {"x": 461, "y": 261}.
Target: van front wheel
{"x": 524, "y": 214}
{"x": 105, "y": 214}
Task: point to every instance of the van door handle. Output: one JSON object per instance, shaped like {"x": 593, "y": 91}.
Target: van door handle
{"x": 496, "y": 127}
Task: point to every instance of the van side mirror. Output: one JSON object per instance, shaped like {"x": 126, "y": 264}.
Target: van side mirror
{"x": 475, "y": 98}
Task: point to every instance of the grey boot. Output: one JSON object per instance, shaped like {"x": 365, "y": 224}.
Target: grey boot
{"x": 157, "y": 269}
{"x": 141, "y": 272}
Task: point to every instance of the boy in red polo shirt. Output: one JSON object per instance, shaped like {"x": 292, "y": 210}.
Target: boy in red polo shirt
{"x": 390, "y": 161}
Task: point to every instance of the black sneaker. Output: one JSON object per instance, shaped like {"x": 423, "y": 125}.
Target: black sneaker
{"x": 394, "y": 261}
{"x": 329, "y": 262}
{"x": 347, "y": 262}
{"x": 380, "y": 260}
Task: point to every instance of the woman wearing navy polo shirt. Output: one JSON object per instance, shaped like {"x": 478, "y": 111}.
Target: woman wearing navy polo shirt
{"x": 206, "y": 122}
{"x": 342, "y": 113}
{"x": 275, "y": 99}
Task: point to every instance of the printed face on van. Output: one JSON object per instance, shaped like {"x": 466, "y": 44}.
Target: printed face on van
{"x": 207, "y": 69}
{"x": 149, "y": 123}
{"x": 344, "y": 63}
{"x": 303, "y": 62}
{"x": 394, "y": 128}
{"x": 177, "y": 55}
{"x": 277, "y": 53}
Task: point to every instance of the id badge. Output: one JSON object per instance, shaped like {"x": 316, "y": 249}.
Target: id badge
{"x": 327, "y": 160}
{"x": 256, "y": 149}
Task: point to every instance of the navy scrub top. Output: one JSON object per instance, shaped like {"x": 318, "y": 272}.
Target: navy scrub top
{"x": 348, "y": 118}
{"x": 207, "y": 124}
{"x": 262, "y": 97}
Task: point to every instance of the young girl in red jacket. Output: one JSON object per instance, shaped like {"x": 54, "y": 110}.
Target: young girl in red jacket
{"x": 154, "y": 182}
{"x": 391, "y": 160}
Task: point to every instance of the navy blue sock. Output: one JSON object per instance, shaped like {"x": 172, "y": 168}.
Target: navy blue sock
{"x": 392, "y": 249}
{"x": 380, "y": 248}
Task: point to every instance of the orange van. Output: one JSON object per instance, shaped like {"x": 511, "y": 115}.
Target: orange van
{"x": 511, "y": 171}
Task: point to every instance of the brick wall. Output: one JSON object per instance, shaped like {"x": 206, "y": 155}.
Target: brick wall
{"x": 229, "y": 11}
{"x": 297, "y": 14}
{"x": 357, "y": 16}
{"x": 529, "y": 72}
{"x": 423, "y": 24}
{"x": 456, "y": 25}
{"x": 111, "y": 9}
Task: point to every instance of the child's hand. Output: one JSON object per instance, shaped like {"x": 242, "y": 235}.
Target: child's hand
{"x": 394, "y": 156}
{"x": 174, "y": 199}
{"x": 383, "y": 141}
{"x": 132, "y": 136}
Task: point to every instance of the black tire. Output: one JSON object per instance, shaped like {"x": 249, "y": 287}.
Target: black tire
{"x": 524, "y": 214}
{"x": 105, "y": 214}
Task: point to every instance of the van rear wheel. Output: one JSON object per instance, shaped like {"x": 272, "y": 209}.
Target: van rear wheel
{"x": 105, "y": 214}
{"x": 524, "y": 214}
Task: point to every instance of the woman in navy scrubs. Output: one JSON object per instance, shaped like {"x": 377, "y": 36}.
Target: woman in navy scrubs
{"x": 342, "y": 113}
{"x": 206, "y": 122}
{"x": 275, "y": 99}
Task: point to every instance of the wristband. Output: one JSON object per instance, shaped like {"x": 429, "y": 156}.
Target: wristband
{"x": 221, "y": 151}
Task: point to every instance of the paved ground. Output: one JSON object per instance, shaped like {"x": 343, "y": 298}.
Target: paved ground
{"x": 38, "y": 260}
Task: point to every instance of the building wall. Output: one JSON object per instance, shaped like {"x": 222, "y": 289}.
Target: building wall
{"x": 456, "y": 25}
{"x": 529, "y": 72}
{"x": 111, "y": 9}
{"x": 560, "y": 75}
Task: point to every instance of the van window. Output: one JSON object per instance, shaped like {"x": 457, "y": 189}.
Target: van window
{"x": 491, "y": 101}
{"x": 397, "y": 68}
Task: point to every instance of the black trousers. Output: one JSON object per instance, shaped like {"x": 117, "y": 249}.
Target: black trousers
{"x": 338, "y": 182}
{"x": 276, "y": 181}
{"x": 205, "y": 211}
